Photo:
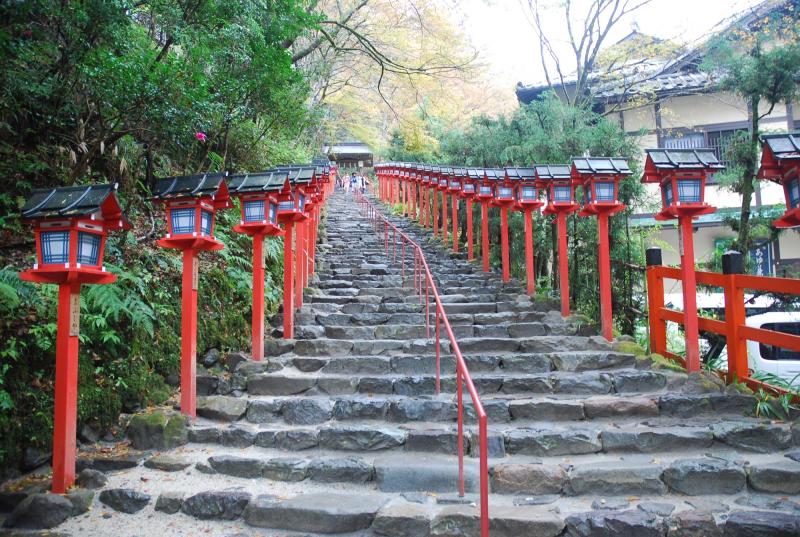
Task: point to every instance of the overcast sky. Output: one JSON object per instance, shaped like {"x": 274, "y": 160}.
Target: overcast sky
{"x": 501, "y": 30}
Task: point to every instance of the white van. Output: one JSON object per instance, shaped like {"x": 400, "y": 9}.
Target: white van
{"x": 784, "y": 363}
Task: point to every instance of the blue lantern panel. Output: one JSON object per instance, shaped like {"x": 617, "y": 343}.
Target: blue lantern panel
{"x": 182, "y": 221}
{"x": 604, "y": 191}
{"x": 55, "y": 247}
{"x": 528, "y": 193}
{"x": 504, "y": 192}
{"x": 455, "y": 184}
{"x": 486, "y": 190}
{"x": 563, "y": 193}
{"x": 667, "y": 189}
{"x": 442, "y": 182}
{"x": 794, "y": 193}
{"x": 469, "y": 188}
{"x": 88, "y": 248}
{"x": 302, "y": 203}
{"x": 205, "y": 222}
{"x": 273, "y": 212}
{"x": 689, "y": 190}
{"x": 287, "y": 205}
{"x": 254, "y": 211}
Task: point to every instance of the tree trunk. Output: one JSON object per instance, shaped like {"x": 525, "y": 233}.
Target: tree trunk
{"x": 748, "y": 175}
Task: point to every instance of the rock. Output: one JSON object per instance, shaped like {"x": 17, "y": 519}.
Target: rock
{"x": 607, "y": 407}
{"x": 762, "y": 523}
{"x": 308, "y": 364}
{"x": 528, "y": 479}
{"x": 360, "y": 438}
{"x": 81, "y": 500}
{"x": 693, "y": 523}
{"x": 91, "y": 479}
{"x": 221, "y": 407}
{"x": 306, "y": 411}
{"x": 783, "y": 478}
{"x": 610, "y": 504}
{"x": 394, "y": 474}
{"x": 615, "y": 523}
{"x": 348, "y": 470}
{"x": 456, "y": 521}
{"x": 204, "y": 468}
{"x": 545, "y": 442}
{"x": 615, "y": 479}
{"x": 703, "y": 382}
{"x": 696, "y": 477}
{"x": 368, "y": 409}
{"x": 169, "y": 502}
{"x": 259, "y": 411}
{"x": 755, "y": 437}
{"x": 657, "y": 508}
{"x": 794, "y": 454}
{"x": 88, "y": 434}
{"x": 768, "y": 502}
{"x": 210, "y": 358}
{"x": 40, "y": 511}
{"x": 233, "y": 359}
{"x": 116, "y": 463}
{"x": 206, "y": 385}
{"x": 296, "y": 440}
{"x": 33, "y": 458}
{"x": 403, "y": 520}
{"x": 517, "y": 521}
{"x": 271, "y": 384}
{"x": 285, "y": 469}
{"x": 236, "y": 466}
{"x": 217, "y": 505}
{"x": 167, "y": 463}
{"x": 422, "y": 410}
{"x": 125, "y": 500}
{"x": 323, "y": 347}
{"x": 328, "y": 512}
{"x": 237, "y": 437}
{"x": 547, "y": 410}
{"x": 205, "y": 435}
{"x": 655, "y": 440}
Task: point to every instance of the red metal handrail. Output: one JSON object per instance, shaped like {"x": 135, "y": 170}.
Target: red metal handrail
{"x": 423, "y": 277}
{"x": 733, "y": 327}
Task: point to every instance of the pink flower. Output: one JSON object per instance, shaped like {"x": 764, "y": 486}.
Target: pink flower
{"x": 201, "y": 136}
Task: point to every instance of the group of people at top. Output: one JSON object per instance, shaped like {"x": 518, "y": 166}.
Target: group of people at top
{"x": 354, "y": 182}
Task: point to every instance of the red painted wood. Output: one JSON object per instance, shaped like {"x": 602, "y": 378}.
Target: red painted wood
{"x": 435, "y": 212}
{"x": 485, "y": 234}
{"x": 563, "y": 265}
{"x": 455, "y": 223}
{"x": 257, "y": 321}
{"x": 604, "y": 272}
{"x": 504, "y": 243}
{"x": 529, "y": 267}
{"x": 188, "y": 335}
{"x": 288, "y": 283}
{"x": 445, "y": 208}
{"x": 689, "y": 296}
{"x": 66, "y": 393}
{"x": 470, "y": 245}
{"x": 299, "y": 247}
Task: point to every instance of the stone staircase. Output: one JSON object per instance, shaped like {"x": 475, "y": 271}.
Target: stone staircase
{"x": 341, "y": 432}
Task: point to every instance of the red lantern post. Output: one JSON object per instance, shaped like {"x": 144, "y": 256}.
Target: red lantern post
{"x": 528, "y": 200}
{"x": 780, "y": 162}
{"x": 503, "y": 198}
{"x": 259, "y": 207}
{"x": 681, "y": 174}
{"x": 70, "y": 226}
{"x": 484, "y": 196}
{"x": 191, "y": 203}
{"x": 468, "y": 194}
{"x": 444, "y": 181}
{"x": 557, "y": 179}
{"x": 600, "y": 179}
{"x": 457, "y": 175}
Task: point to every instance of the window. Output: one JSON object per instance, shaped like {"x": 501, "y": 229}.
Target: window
{"x": 528, "y": 193}
{"x": 794, "y": 193}
{"x": 667, "y": 189}
{"x": 205, "y": 222}
{"x": 604, "y": 190}
{"x": 689, "y": 140}
{"x": 254, "y": 211}
{"x": 720, "y": 141}
{"x": 55, "y": 247}
{"x": 768, "y": 352}
{"x": 689, "y": 190}
{"x": 563, "y": 193}
{"x": 88, "y": 248}
{"x": 182, "y": 221}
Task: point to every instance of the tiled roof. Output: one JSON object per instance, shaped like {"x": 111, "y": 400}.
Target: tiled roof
{"x": 783, "y": 146}
{"x": 188, "y": 186}
{"x": 67, "y": 201}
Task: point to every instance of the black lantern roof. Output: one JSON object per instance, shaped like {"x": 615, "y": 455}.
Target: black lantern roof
{"x": 320, "y": 161}
{"x": 75, "y": 201}
{"x": 302, "y": 174}
{"x": 674, "y": 159}
{"x": 495, "y": 174}
{"x": 445, "y": 170}
{"x": 475, "y": 173}
{"x": 553, "y": 171}
{"x": 266, "y": 181}
{"x": 460, "y": 172}
{"x": 601, "y": 165}
{"x": 783, "y": 146}
{"x": 521, "y": 174}
{"x": 188, "y": 186}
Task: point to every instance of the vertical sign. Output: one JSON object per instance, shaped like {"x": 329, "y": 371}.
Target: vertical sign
{"x": 74, "y": 314}
{"x": 195, "y": 275}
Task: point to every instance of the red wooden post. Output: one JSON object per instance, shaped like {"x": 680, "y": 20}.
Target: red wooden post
{"x": 257, "y": 324}
{"x": 66, "y": 387}
{"x": 288, "y": 283}
{"x": 435, "y": 212}
{"x": 455, "y": 223}
{"x": 690, "y": 322}
{"x": 189, "y": 282}
{"x": 470, "y": 246}
{"x": 732, "y": 266}
{"x": 299, "y": 246}
{"x": 655, "y": 301}
{"x": 445, "y": 208}
{"x": 504, "y": 243}
{"x": 529, "y": 267}
{"x": 604, "y": 272}
{"x": 427, "y": 207}
{"x": 563, "y": 267}
{"x": 485, "y": 234}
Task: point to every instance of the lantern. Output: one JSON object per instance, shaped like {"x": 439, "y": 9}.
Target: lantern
{"x": 484, "y": 185}
{"x": 527, "y": 200}
{"x": 504, "y": 195}
{"x": 681, "y": 175}
{"x": 70, "y": 225}
{"x": 600, "y": 178}
{"x": 780, "y": 162}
